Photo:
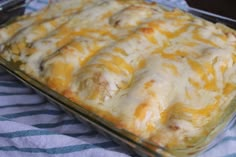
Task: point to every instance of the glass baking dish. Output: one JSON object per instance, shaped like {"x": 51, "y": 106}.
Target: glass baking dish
{"x": 121, "y": 136}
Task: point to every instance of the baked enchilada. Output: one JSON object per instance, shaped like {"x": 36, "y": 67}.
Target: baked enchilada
{"x": 165, "y": 76}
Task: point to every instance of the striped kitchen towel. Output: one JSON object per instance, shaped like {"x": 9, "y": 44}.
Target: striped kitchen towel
{"x": 31, "y": 126}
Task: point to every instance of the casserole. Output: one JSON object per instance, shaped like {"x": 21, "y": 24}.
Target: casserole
{"x": 165, "y": 76}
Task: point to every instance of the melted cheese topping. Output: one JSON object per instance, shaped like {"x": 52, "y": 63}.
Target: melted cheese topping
{"x": 163, "y": 75}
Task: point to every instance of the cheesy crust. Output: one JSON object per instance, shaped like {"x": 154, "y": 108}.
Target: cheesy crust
{"x": 165, "y": 76}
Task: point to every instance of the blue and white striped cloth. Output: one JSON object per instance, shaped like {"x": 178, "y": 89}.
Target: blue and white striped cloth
{"x": 31, "y": 126}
